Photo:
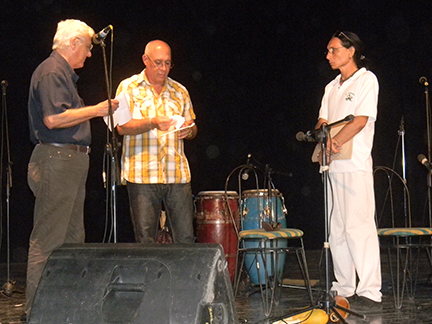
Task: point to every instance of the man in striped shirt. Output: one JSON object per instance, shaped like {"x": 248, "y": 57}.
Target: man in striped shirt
{"x": 155, "y": 116}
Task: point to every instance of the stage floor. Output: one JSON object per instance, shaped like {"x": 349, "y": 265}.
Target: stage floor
{"x": 249, "y": 307}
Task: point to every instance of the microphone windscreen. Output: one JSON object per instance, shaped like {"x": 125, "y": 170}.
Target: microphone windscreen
{"x": 421, "y": 158}
{"x": 300, "y": 136}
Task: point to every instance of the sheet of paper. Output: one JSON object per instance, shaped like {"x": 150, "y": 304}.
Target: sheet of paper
{"x": 176, "y": 130}
{"x": 179, "y": 121}
{"x": 122, "y": 115}
{"x": 344, "y": 154}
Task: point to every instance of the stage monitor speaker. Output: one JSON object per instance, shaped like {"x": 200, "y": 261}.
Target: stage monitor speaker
{"x": 136, "y": 284}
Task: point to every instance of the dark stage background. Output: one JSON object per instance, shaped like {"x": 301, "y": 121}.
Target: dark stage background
{"x": 255, "y": 70}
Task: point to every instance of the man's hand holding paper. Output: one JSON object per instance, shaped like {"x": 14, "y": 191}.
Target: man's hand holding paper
{"x": 122, "y": 115}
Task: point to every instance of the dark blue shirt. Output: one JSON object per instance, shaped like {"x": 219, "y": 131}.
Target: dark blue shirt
{"x": 53, "y": 90}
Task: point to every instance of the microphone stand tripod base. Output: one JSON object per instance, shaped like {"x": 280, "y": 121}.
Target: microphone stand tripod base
{"x": 8, "y": 289}
{"x": 317, "y": 314}
{"x": 314, "y": 316}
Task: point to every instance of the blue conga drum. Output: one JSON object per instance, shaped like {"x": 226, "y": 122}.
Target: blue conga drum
{"x": 259, "y": 206}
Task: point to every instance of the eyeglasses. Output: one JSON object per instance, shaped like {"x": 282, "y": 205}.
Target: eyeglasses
{"x": 331, "y": 50}
{"x": 159, "y": 63}
{"x": 89, "y": 47}
{"x": 341, "y": 35}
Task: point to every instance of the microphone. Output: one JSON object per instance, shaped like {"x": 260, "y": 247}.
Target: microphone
{"x": 310, "y": 135}
{"x": 423, "y": 81}
{"x": 100, "y": 37}
{"x": 302, "y": 137}
{"x": 425, "y": 162}
{"x": 245, "y": 173}
{"x": 4, "y": 85}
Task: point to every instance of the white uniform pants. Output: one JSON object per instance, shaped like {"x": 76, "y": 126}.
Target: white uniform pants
{"x": 353, "y": 236}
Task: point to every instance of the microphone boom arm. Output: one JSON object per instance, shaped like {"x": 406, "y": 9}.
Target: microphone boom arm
{"x": 323, "y": 130}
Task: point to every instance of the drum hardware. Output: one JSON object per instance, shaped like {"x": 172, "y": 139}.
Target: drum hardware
{"x": 284, "y": 210}
{"x": 245, "y": 211}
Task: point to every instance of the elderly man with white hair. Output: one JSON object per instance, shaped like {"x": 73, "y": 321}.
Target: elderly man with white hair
{"x": 60, "y": 129}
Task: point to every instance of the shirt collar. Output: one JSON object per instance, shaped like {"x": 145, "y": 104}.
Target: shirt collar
{"x": 355, "y": 76}
{"x": 62, "y": 61}
{"x": 143, "y": 78}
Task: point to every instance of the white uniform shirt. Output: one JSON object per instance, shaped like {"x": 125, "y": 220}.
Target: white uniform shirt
{"x": 357, "y": 96}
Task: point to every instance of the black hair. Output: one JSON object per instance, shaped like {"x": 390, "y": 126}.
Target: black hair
{"x": 349, "y": 39}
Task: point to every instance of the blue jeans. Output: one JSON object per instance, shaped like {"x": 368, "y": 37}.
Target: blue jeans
{"x": 146, "y": 204}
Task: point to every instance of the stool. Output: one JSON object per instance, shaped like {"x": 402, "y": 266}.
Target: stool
{"x": 262, "y": 254}
{"x": 406, "y": 265}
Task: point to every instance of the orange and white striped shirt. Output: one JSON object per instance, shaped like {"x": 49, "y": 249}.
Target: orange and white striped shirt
{"x": 152, "y": 157}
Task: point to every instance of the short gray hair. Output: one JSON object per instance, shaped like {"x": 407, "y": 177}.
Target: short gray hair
{"x": 66, "y": 29}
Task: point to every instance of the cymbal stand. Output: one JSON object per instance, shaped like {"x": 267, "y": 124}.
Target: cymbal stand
{"x": 327, "y": 303}
{"x": 9, "y": 285}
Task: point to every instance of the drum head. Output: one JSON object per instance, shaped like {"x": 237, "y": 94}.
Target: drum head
{"x": 260, "y": 193}
{"x": 217, "y": 194}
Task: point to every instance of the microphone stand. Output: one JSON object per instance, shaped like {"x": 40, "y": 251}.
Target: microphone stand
{"x": 423, "y": 80}
{"x": 401, "y": 133}
{"x": 271, "y": 217}
{"x": 328, "y": 304}
{"x": 111, "y": 150}
{"x": 8, "y": 286}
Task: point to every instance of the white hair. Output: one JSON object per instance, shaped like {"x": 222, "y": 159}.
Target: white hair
{"x": 66, "y": 29}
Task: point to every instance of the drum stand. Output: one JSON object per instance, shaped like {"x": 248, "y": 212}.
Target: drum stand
{"x": 273, "y": 224}
{"x": 328, "y": 302}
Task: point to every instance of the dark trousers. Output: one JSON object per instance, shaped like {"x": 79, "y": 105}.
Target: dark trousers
{"x": 146, "y": 203}
{"x": 57, "y": 177}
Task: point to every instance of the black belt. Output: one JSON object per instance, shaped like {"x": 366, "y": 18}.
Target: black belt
{"x": 78, "y": 148}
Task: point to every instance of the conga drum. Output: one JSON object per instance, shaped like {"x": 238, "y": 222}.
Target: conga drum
{"x": 216, "y": 214}
{"x": 258, "y": 207}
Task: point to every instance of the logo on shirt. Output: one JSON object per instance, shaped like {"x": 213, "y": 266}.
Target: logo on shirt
{"x": 349, "y": 96}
